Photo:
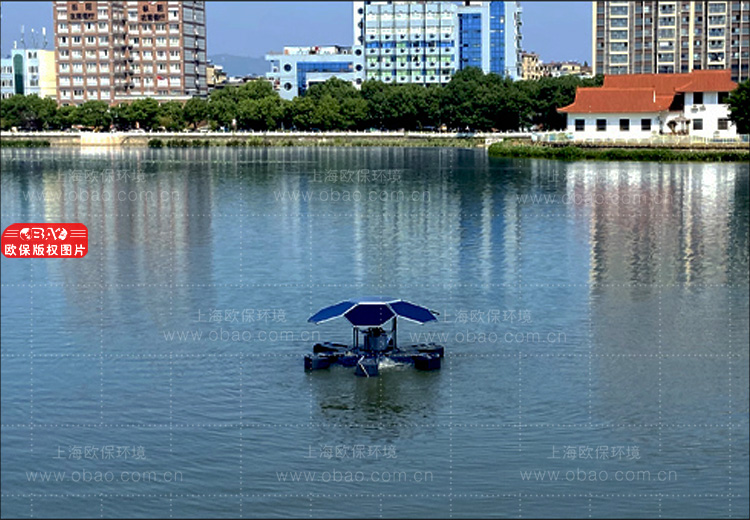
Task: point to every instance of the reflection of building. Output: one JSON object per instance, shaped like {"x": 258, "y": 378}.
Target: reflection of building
{"x": 688, "y": 213}
{"x": 640, "y": 105}
{"x": 115, "y": 51}
{"x": 153, "y": 230}
{"x": 649, "y": 37}
{"x": 28, "y": 71}
{"x": 297, "y": 68}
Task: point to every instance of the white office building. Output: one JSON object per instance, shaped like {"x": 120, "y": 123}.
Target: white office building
{"x": 409, "y": 42}
{"x": 297, "y": 68}
{"x": 427, "y": 42}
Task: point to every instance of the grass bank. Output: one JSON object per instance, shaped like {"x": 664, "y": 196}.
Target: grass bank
{"x": 577, "y": 153}
{"x": 313, "y": 141}
{"x": 24, "y": 143}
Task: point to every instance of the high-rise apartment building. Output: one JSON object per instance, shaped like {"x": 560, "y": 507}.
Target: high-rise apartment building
{"x": 427, "y": 42}
{"x": 648, "y": 37}
{"x": 124, "y": 50}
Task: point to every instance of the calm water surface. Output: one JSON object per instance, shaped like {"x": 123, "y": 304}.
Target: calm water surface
{"x": 595, "y": 317}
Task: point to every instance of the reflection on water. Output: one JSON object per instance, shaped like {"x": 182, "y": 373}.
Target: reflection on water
{"x": 631, "y": 279}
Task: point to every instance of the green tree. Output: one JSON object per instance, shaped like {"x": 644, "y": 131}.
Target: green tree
{"x": 338, "y": 105}
{"x": 259, "y": 114}
{"x": 222, "y": 110}
{"x": 298, "y": 113}
{"x": 171, "y": 116}
{"x": 28, "y": 112}
{"x": 93, "y": 114}
{"x": 406, "y": 107}
{"x": 375, "y": 94}
{"x": 460, "y": 97}
{"x": 195, "y": 111}
{"x": 256, "y": 90}
{"x": 549, "y": 94}
{"x": 337, "y": 88}
{"x": 739, "y": 107}
{"x": 121, "y": 116}
{"x": 11, "y": 110}
{"x": 326, "y": 114}
{"x": 144, "y": 112}
{"x": 224, "y": 103}
{"x": 65, "y": 117}
{"x": 353, "y": 113}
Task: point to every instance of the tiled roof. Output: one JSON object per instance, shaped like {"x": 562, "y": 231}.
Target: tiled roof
{"x": 696, "y": 81}
{"x": 597, "y": 100}
{"x": 646, "y": 92}
{"x": 709, "y": 81}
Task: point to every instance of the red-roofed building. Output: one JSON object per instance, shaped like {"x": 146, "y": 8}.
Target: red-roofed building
{"x": 642, "y": 105}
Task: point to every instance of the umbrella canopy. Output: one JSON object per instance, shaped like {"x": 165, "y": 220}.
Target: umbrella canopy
{"x": 373, "y": 311}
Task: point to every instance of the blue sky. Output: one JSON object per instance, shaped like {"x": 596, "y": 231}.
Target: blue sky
{"x": 556, "y": 30}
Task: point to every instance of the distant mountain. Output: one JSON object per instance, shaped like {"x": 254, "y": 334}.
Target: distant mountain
{"x": 241, "y": 65}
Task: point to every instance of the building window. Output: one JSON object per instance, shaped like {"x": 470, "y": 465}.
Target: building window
{"x": 723, "y": 123}
{"x": 580, "y": 125}
{"x": 601, "y": 125}
{"x": 697, "y": 124}
{"x": 646, "y": 125}
{"x": 697, "y": 98}
{"x": 624, "y": 125}
{"x": 723, "y": 96}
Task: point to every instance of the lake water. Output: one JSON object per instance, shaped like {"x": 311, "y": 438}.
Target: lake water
{"x": 595, "y": 319}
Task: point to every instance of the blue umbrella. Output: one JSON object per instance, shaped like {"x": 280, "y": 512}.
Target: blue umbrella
{"x": 374, "y": 312}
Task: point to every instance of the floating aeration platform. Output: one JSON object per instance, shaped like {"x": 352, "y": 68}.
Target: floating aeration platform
{"x": 370, "y": 318}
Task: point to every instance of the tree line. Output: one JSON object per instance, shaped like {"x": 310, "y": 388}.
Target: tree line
{"x": 471, "y": 100}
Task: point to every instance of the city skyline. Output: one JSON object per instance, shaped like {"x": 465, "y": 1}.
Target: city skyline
{"x": 542, "y": 30}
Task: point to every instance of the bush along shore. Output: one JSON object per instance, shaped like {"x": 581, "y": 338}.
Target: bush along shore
{"x": 467, "y": 142}
{"x": 24, "y": 143}
{"x": 578, "y": 153}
